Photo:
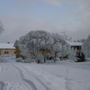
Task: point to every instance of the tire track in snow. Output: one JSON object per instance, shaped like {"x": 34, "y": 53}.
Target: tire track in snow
{"x": 2, "y": 85}
{"x": 29, "y": 82}
{"x": 68, "y": 81}
{"x": 47, "y": 88}
{"x": 35, "y": 76}
{"x": 67, "y": 84}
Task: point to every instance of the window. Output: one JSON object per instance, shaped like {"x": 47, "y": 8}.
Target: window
{"x": 15, "y": 52}
{"x": 6, "y": 52}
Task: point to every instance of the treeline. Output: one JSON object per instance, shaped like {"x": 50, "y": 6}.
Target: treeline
{"x": 40, "y": 46}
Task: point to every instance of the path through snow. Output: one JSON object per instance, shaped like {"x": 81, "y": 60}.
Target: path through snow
{"x": 64, "y": 76}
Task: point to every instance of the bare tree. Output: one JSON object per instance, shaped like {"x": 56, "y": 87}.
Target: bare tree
{"x": 1, "y": 27}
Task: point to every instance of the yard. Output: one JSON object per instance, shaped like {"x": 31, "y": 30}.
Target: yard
{"x": 64, "y": 75}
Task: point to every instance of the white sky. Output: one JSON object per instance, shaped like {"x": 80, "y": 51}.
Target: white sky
{"x": 21, "y": 16}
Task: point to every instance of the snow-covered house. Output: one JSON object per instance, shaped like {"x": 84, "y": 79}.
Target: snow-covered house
{"x": 7, "y": 48}
{"x": 75, "y": 45}
{"x": 21, "y": 50}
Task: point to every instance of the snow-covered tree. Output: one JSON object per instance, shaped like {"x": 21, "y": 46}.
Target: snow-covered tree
{"x": 59, "y": 45}
{"x": 72, "y": 53}
{"x": 1, "y": 30}
{"x": 86, "y": 47}
{"x": 36, "y": 42}
{"x": 42, "y": 43}
{"x": 1, "y": 27}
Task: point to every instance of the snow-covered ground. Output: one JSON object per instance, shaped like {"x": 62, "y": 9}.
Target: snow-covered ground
{"x": 62, "y": 76}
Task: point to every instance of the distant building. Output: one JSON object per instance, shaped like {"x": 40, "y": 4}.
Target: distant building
{"x": 7, "y": 48}
{"x": 75, "y": 45}
{"x": 21, "y": 50}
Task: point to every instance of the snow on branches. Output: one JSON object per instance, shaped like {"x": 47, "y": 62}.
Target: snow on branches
{"x": 86, "y": 47}
{"x": 42, "y": 43}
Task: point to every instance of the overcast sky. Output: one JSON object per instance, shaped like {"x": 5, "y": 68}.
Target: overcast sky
{"x": 21, "y": 16}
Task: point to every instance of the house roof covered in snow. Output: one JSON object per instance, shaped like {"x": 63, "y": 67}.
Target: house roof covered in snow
{"x": 72, "y": 43}
{"x": 7, "y": 46}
